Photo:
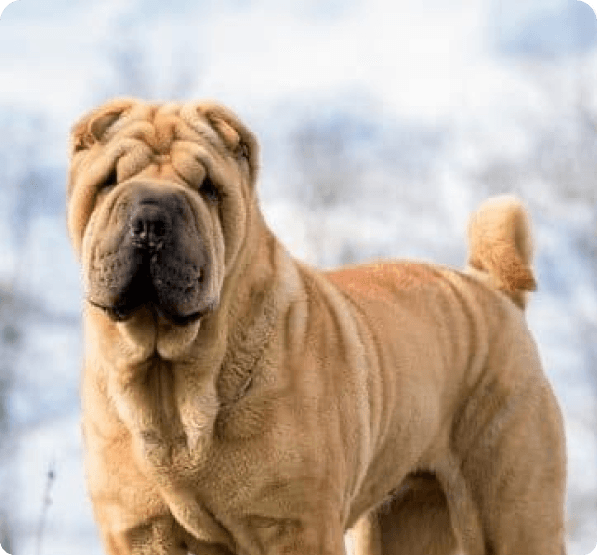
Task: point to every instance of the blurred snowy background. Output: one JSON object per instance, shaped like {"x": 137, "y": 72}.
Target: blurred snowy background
{"x": 382, "y": 125}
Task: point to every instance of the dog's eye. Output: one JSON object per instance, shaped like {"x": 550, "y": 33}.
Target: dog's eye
{"x": 208, "y": 190}
{"x": 110, "y": 181}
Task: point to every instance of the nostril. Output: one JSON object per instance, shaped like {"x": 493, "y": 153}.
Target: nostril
{"x": 150, "y": 226}
{"x": 138, "y": 228}
{"x": 158, "y": 228}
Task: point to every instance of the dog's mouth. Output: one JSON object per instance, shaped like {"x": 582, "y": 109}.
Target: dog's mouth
{"x": 170, "y": 286}
{"x": 124, "y": 312}
{"x": 155, "y": 260}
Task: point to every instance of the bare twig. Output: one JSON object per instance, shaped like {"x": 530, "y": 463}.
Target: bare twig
{"x": 46, "y": 503}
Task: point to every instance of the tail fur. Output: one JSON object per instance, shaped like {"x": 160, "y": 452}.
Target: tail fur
{"x": 500, "y": 247}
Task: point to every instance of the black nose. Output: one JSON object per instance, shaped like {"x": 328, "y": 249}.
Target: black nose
{"x": 150, "y": 226}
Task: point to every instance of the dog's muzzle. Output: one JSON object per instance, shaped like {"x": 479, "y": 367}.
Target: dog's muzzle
{"x": 160, "y": 262}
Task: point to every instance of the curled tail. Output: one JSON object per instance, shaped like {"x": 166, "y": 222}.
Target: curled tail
{"x": 500, "y": 247}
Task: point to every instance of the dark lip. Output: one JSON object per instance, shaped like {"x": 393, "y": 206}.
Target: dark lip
{"x": 180, "y": 320}
{"x": 117, "y": 314}
{"x": 125, "y": 313}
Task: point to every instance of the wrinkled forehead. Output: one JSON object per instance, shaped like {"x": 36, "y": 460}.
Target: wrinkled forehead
{"x": 172, "y": 141}
{"x": 159, "y": 126}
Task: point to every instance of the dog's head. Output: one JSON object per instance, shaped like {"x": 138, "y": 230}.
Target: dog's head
{"x": 158, "y": 199}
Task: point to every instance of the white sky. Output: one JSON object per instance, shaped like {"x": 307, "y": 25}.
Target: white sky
{"x": 422, "y": 59}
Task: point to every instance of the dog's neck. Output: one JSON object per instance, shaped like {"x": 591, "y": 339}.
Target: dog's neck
{"x": 172, "y": 407}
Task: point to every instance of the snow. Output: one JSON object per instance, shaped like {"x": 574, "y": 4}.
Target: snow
{"x": 431, "y": 107}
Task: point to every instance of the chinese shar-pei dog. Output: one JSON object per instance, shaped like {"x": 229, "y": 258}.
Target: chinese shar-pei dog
{"x": 236, "y": 400}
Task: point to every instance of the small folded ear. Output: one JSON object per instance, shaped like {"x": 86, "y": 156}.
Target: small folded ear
{"x": 234, "y": 133}
{"x": 92, "y": 127}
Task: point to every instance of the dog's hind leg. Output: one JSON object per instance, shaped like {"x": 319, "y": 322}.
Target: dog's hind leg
{"x": 415, "y": 521}
{"x": 517, "y": 473}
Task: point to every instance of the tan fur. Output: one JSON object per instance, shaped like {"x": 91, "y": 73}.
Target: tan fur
{"x": 500, "y": 247}
{"x": 403, "y": 399}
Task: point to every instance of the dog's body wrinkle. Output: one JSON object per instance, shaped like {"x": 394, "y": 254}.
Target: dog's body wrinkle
{"x": 414, "y": 421}
{"x": 244, "y": 352}
{"x": 435, "y": 432}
